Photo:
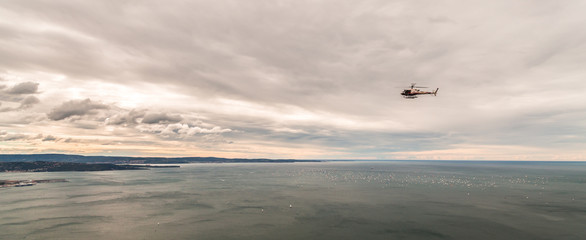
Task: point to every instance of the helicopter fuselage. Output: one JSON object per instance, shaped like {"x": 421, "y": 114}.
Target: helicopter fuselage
{"x": 413, "y": 92}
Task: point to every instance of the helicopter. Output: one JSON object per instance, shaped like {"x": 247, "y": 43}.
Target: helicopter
{"x": 412, "y": 92}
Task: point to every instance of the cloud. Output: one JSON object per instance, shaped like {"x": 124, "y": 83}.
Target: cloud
{"x": 13, "y": 137}
{"x": 129, "y": 118}
{"x": 25, "y": 103}
{"x": 49, "y": 138}
{"x": 24, "y": 88}
{"x": 75, "y": 108}
{"x": 18, "y": 94}
{"x": 151, "y": 118}
{"x": 6, "y": 136}
{"x": 84, "y": 123}
{"x": 180, "y": 130}
{"x": 28, "y": 102}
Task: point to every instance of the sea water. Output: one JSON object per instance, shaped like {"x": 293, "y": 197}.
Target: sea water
{"x": 327, "y": 200}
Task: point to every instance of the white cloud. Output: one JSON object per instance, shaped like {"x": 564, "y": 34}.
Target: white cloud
{"x": 180, "y": 130}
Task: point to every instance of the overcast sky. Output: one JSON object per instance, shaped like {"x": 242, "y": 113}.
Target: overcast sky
{"x": 312, "y": 79}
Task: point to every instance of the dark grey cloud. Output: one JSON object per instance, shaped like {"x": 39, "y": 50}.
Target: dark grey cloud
{"x": 75, "y": 108}
{"x": 24, "y": 88}
{"x": 129, "y": 118}
{"x": 29, "y": 102}
{"x": 151, "y": 118}
{"x": 13, "y": 137}
{"x": 21, "y": 94}
{"x": 49, "y": 138}
{"x": 25, "y": 103}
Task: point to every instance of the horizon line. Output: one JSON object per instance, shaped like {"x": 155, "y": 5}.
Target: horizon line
{"x": 306, "y": 159}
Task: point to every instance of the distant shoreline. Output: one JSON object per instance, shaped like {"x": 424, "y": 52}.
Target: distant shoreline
{"x": 184, "y": 160}
{"x": 44, "y": 166}
{"x": 136, "y": 160}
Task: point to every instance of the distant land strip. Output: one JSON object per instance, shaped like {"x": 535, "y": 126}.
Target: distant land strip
{"x": 135, "y": 160}
{"x": 43, "y": 166}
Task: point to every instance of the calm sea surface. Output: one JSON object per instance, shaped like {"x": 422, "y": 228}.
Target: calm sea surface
{"x": 331, "y": 200}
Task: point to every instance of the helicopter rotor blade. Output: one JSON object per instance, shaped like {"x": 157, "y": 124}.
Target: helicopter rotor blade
{"x": 414, "y": 85}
